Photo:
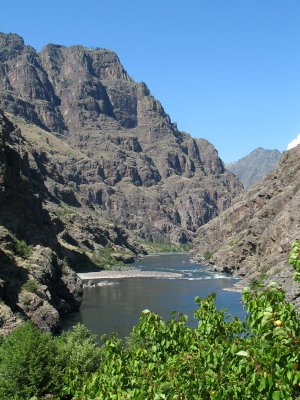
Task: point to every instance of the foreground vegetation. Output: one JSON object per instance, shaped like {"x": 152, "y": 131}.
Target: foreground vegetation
{"x": 222, "y": 358}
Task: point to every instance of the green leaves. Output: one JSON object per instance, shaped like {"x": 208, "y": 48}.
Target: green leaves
{"x": 242, "y": 353}
{"x": 294, "y": 260}
{"x": 267, "y": 317}
{"x": 27, "y": 359}
{"x": 262, "y": 385}
{"x": 172, "y": 361}
{"x": 277, "y": 395}
{"x": 219, "y": 359}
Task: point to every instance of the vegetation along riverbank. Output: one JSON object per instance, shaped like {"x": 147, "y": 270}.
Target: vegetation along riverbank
{"x": 219, "y": 359}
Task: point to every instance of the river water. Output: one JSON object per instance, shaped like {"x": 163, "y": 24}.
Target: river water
{"x": 117, "y": 305}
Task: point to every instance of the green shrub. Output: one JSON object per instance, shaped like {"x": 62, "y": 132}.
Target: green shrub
{"x": 27, "y": 364}
{"x": 105, "y": 259}
{"x": 65, "y": 212}
{"x": 207, "y": 255}
{"x": 26, "y": 301}
{"x": 78, "y": 349}
{"x": 22, "y": 249}
{"x": 30, "y": 286}
{"x": 33, "y": 363}
{"x": 294, "y": 260}
{"x": 222, "y": 358}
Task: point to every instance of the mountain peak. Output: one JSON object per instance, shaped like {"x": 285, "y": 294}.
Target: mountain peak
{"x": 255, "y": 166}
{"x": 138, "y": 157}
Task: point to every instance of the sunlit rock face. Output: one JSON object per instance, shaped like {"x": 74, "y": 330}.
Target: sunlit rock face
{"x": 253, "y": 237}
{"x": 132, "y": 164}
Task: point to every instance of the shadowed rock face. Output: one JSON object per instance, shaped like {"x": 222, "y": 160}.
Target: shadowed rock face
{"x": 255, "y": 166}
{"x": 56, "y": 288}
{"x": 128, "y": 161}
{"x": 41, "y": 234}
{"x": 253, "y": 237}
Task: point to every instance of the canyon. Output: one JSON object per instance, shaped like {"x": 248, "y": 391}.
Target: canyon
{"x": 92, "y": 167}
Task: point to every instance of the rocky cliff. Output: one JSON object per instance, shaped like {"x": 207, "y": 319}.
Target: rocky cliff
{"x": 89, "y": 162}
{"x": 41, "y": 237}
{"x": 34, "y": 282}
{"x": 122, "y": 155}
{"x": 252, "y": 238}
{"x": 255, "y": 166}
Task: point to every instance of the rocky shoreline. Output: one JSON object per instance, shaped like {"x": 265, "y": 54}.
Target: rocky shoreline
{"x": 108, "y": 277}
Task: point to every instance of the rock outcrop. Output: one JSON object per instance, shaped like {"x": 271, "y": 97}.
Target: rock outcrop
{"x": 255, "y": 166}
{"x": 252, "y": 238}
{"x": 124, "y": 157}
{"x": 34, "y": 282}
{"x": 41, "y": 236}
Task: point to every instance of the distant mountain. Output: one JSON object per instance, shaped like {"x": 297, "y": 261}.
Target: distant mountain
{"x": 252, "y": 239}
{"x": 255, "y": 166}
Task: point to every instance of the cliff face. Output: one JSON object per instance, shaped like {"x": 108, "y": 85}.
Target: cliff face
{"x": 41, "y": 236}
{"x": 255, "y": 166}
{"x": 34, "y": 282}
{"x": 128, "y": 161}
{"x": 253, "y": 237}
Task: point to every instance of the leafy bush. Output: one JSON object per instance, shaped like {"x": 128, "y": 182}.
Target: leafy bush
{"x": 27, "y": 363}
{"x": 30, "y": 286}
{"x": 78, "y": 349}
{"x": 33, "y": 363}
{"x": 105, "y": 259}
{"x": 295, "y": 261}
{"x": 252, "y": 359}
{"x": 22, "y": 249}
{"x": 222, "y": 358}
{"x": 207, "y": 255}
{"x": 65, "y": 212}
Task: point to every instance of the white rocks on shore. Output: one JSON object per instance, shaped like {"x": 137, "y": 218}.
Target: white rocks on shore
{"x": 130, "y": 273}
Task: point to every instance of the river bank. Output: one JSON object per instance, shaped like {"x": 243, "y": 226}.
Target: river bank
{"x": 114, "y": 299}
{"x": 105, "y": 277}
{"x": 127, "y": 273}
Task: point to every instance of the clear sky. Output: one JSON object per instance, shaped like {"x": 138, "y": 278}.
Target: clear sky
{"x": 225, "y": 70}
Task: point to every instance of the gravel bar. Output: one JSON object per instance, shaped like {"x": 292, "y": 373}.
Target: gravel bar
{"x": 127, "y": 274}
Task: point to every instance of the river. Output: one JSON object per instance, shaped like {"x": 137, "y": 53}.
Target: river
{"x": 117, "y": 304}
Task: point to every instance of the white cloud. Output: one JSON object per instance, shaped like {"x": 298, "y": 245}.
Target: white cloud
{"x": 294, "y": 143}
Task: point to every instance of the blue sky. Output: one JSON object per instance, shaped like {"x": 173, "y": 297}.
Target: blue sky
{"x": 225, "y": 70}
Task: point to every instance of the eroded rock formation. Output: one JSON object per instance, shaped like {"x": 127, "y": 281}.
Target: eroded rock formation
{"x": 40, "y": 238}
{"x": 252, "y": 238}
{"x": 131, "y": 161}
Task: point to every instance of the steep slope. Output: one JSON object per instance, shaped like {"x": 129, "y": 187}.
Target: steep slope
{"x": 255, "y": 166}
{"x": 136, "y": 168}
{"x": 41, "y": 234}
{"x": 34, "y": 282}
{"x": 253, "y": 237}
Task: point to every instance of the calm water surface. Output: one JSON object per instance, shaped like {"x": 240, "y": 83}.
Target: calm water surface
{"x": 117, "y": 306}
